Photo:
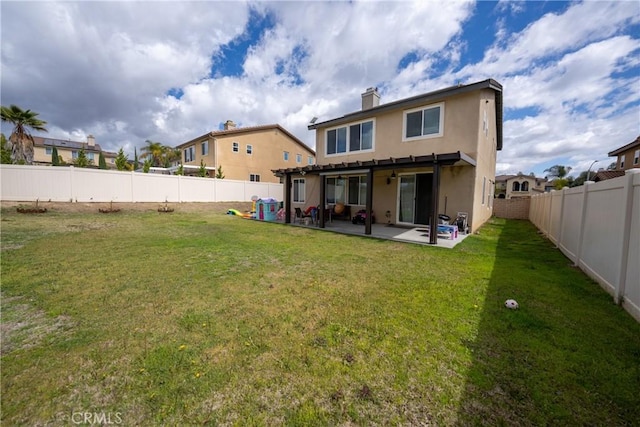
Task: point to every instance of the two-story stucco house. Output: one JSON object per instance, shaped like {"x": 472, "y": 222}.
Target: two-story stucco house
{"x": 68, "y": 151}
{"x": 518, "y": 186}
{"x": 628, "y": 156}
{"x": 248, "y": 153}
{"x": 406, "y": 161}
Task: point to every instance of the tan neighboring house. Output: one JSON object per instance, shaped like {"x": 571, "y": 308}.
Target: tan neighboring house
{"x": 519, "y": 186}
{"x": 628, "y": 156}
{"x": 68, "y": 151}
{"x": 407, "y": 161}
{"x": 246, "y": 154}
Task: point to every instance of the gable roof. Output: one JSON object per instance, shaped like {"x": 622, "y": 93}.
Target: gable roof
{"x": 425, "y": 98}
{"x": 629, "y": 146}
{"x": 604, "y": 175}
{"x": 248, "y": 129}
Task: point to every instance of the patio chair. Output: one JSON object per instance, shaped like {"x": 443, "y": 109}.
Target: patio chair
{"x": 300, "y": 216}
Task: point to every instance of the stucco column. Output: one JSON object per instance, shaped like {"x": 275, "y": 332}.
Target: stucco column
{"x": 435, "y": 196}
{"x": 321, "y": 204}
{"x": 367, "y": 221}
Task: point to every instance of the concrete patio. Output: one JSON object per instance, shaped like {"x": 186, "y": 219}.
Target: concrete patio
{"x": 417, "y": 235}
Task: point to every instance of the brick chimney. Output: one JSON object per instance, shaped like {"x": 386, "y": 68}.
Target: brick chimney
{"x": 91, "y": 141}
{"x": 371, "y": 98}
{"x": 229, "y": 124}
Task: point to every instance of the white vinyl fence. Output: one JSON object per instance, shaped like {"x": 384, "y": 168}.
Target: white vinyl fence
{"x": 70, "y": 184}
{"x": 597, "y": 226}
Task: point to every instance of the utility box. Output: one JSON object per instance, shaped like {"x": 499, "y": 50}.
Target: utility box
{"x": 266, "y": 209}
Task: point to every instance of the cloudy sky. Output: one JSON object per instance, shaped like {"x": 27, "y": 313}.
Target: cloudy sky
{"x": 170, "y": 71}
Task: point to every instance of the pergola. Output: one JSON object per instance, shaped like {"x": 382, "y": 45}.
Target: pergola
{"x": 434, "y": 161}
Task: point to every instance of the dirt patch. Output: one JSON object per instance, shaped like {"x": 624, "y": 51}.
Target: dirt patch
{"x": 94, "y": 207}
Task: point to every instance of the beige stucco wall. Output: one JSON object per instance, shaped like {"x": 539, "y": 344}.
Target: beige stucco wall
{"x": 628, "y": 161}
{"x": 40, "y": 156}
{"x": 268, "y": 147}
{"x": 461, "y": 187}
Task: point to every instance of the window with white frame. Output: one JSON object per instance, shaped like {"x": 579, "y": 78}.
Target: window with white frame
{"x": 310, "y": 160}
{"x": 355, "y": 137}
{"x": 205, "y": 148}
{"x": 74, "y": 154}
{"x": 622, "y": 160}
{"x": 285, "y": 156}
{"x": 91, "y": 156}
{"x": 254, "y": 177}
{"x": 636, "y": 157}
{"x": 235, "y": 147}
{"x": 189, "y": 154}
{"x": 424, "y": 122}
{"x": 249, "y": 149}
{"x": 336, "y": 190}
{"x": 48, "y": 150}
{"x": 298, "y": 190}
{"x": 298, "y": 158}
{"x": 357, "y": 190}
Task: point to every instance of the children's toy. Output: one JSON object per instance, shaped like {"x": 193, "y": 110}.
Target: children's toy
{"x": 361, "y": 217}
{"x": 511, "y": 304}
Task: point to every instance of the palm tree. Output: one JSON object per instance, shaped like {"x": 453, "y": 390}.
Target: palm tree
{"x": 21, "y": 139}
{"x": 558, "y": 171}
{"x": 153, "y": 152}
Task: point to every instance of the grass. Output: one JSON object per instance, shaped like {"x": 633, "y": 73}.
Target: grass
{"x": 208, "y": 319}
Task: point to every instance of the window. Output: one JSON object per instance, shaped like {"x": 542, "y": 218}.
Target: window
{"x": 235, "y": 147}
{"x": 359, "y": 137}
{"x": 90, "y": 156}
{"x": 524, "y": 186}
{"x": 205, "y": 148}
{"x": 357, "y": 190}
{"x": 48, "y": 150}
{"x": 286, "y": 156}
{"x": 254, "y": 177}
{"x": 336, "y": 190}
{"x": 516, "y": 186}
{"x": 298, "y": 158}
{"x": 622, "y": 159}
{"x": 423, "y": 122}
{"x": 189, "y": 154}
{"x": 249, "y": 149}
{"x": 74, "y": 154}
{"x": 636, "y": 157}
{"x": 298, "y": 190}
{"x": 310, "y": 160}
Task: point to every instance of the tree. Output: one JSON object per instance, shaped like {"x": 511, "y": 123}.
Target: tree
{"x": 219, "y": 173}
{"x": 612, "y": 166}
{"x": 82, "y": 161}
{"x": 171, "y": 155}
{"x": 5, "y": 150}
{"x": 202, "y": 170}
{"x": 146, "y": 166}
{"x": 154, "y": 152}
{"x": 180, "y": 170}
{"x": 21, "y": 139}
{"x": 102, "y": 163}
{"x": 121, "y": 160}
{"x": 136, "y": 163}
{"x": 558, "y": 171}
{"x": 55, "y": 159}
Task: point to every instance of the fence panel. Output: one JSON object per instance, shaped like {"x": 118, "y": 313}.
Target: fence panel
{"x": 597, "y": 226}
{"x": 64, "y": 184}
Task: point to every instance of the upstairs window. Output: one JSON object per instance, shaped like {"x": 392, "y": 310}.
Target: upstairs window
{"x": 189, "y": 154}
{"x": 298, "y": 158}
{"x": 48, "y": 150}
{"x": 636, "y": 157}
{"x": 249, "y": 149}
{"x": 622, "y": 160}
{"x": 310, "y": 160}
{"x": 254, "y": 177}
{"x": 235, "y": 147}
{"x": 516, "y": 186}
{"x": 356, "y": 137}
{"x": 285, "y": 156}
{"x": 205, "y": 148}
{"x": 423, "y": 122}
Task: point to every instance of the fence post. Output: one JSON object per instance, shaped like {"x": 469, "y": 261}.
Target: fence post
{"x": 561, "y": 219}
{"x": 627, "y": 206}
{"x": 583, "y": 220}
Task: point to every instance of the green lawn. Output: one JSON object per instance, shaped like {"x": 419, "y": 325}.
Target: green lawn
{"x": 209, "y": 319}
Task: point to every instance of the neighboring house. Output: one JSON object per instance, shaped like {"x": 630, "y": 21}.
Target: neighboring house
{"x": 628, "y": 156}
{"x": 517, "y": 186}
{"x": 246, "y": 154}
{"x": 68, "y": 151}
{"x": 406, "y": 161}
